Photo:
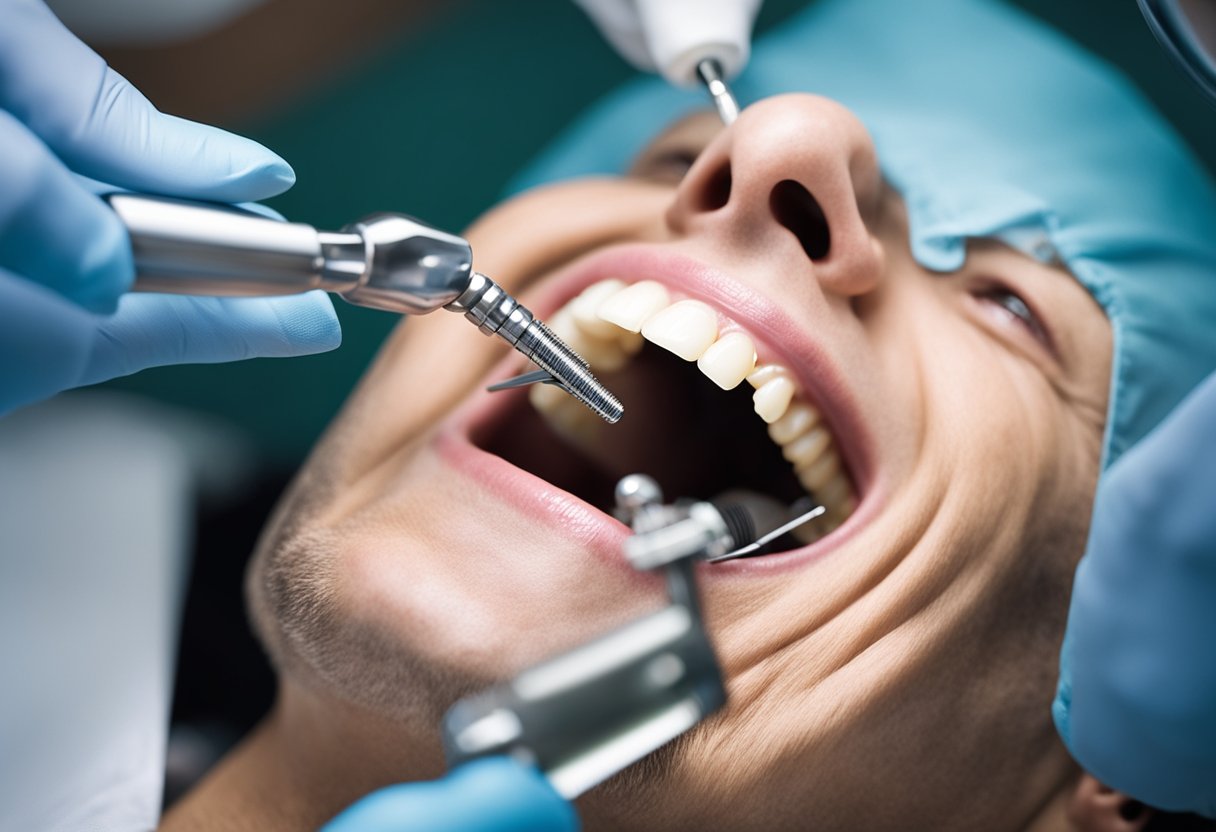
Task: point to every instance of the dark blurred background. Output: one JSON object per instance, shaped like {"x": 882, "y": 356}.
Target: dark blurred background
{"x": 427, "y": 108}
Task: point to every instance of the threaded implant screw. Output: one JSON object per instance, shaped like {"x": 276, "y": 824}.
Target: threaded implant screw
{"x": 488, "y": 306}
{"x": 552, "y": 354}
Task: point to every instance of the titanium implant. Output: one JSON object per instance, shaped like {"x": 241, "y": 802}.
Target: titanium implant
{"x": 495, "y": 312}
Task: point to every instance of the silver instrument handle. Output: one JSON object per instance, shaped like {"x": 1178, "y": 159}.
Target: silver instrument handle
{"x": 199, "y": 248}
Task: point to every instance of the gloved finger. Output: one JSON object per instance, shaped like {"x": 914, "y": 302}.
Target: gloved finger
{"x": 496, "y": 794}
{"x": 1137, "y": 698}
{"x": 103, "y": 127}
{"x": 52, "y": 230}
{"x": 45, "y": 341}
{"x": 152, "y": 330}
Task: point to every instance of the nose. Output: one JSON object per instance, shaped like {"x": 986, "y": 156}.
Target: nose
{"x": 794, "y": 172}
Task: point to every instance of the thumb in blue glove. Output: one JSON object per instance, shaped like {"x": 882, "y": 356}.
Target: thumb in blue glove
{"x": 496, "y": 794}
{"x": 1136, "y": 703}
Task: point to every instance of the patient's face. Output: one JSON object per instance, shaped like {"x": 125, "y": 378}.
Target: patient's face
{"x": 893, "y": 669}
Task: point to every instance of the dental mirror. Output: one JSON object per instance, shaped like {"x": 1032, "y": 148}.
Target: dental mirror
{"x": 1187, "y": 30}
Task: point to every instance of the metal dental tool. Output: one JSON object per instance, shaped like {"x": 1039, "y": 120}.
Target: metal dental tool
{"x": 385, "y": 261}
{"x": 585, "y": 715}
{"x": 765, "y": 539}
{"x": 711, "y": 75}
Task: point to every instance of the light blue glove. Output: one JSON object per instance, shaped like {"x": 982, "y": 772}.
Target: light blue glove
{"x": 1137, "y": 697}
{"x": 65, "y": 259}
{"x": 496, "y": 794}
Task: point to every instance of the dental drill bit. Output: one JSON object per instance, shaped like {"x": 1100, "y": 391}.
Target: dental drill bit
{"x": 710, "y": 73}
{"x": 497, "y": 313}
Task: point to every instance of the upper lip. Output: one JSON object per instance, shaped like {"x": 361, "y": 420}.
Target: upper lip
{"x": 778, "y": 337}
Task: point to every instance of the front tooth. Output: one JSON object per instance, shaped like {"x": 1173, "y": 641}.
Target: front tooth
{"x": 797, "y": 420}
{"x": 630, "y": 307}
{"x": 728, "y": 360}
{"x": 686, "y": 328}
{"x": 772, "y": 398}
{"x": 806, "y": 449}
{"x": 585, "y": 308}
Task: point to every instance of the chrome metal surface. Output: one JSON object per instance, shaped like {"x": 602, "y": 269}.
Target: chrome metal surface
{"x": 525, "y": 380}
{"x": 765, "y": 539}
{"x": 386, "y": 261}
{"x": 724, "y": 100}
{"x": 1186, "y": 29}
{"x": 410, "y": 268}
{"x": 589, "y": 713}
{"x": 186, "y": 247}
{"x": 634, "y": 494}
{"x": 495, "y": 312}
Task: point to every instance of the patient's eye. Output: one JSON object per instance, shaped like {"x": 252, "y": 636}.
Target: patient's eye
{"x": 1015, "y": 310}
{"x": 669, "y": 155}
{"x": 666, "y": 167}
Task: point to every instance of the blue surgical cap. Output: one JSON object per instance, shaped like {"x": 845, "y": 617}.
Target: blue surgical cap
{"x": 992, "y": 124}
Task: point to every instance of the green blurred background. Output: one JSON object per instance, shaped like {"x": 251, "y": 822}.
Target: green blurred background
{"x": 435, "y": 119}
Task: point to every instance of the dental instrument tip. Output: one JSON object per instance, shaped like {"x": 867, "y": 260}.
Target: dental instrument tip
{"x": 710, "y": 73}
{"x": 495, "y": 312}
{"x": 572, "y": 372}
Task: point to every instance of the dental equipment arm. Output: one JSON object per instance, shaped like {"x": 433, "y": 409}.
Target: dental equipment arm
{"x": 587, "y": 714}
{"x": 384, "y": 261}
{"x": 1136, "y": 703}
{"x": 569, "y": 723}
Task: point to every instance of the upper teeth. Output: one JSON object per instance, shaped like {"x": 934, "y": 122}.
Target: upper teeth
{"x": 606, "y": 324}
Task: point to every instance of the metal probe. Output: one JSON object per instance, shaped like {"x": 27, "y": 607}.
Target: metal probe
{"x": 710, "y": 73}
{"x": 586, "y": 714}
{"x": 385, "y": 261}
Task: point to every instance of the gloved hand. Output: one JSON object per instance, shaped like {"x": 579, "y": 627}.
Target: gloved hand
{"x": 671, "y": 36}
{"x": 496, "y": 794}
{"x": 1136, "y": 703}
{"x": 65, "y": 259}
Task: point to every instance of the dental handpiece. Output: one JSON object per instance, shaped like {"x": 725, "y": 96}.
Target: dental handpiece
{"x": 384, "y": 261}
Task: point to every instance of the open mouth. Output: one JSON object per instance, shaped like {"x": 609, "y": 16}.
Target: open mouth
{"x": 704, "y": 417}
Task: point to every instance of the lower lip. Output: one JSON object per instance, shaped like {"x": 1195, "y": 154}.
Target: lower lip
{"x": 580, "y": 522}
{"x": 557, "y": 510}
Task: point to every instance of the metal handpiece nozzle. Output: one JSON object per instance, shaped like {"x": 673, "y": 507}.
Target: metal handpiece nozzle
{"x": 385, "y": 261}
{"x": 710, "y": 74}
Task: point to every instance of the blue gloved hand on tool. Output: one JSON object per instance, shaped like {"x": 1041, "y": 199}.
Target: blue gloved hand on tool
{"x": 65, "y": 259}
{"x": 496, "y": 794}
{"x": 1137, "y": 697}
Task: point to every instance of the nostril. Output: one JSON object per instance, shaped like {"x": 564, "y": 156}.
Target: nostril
{"x": 797, "y": 209}
{"x": 716, "y": 192}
